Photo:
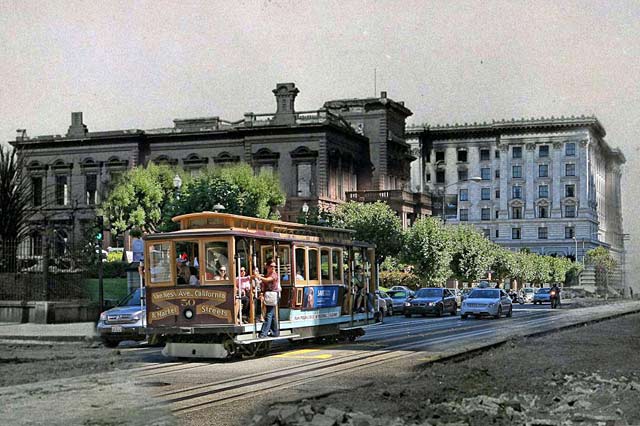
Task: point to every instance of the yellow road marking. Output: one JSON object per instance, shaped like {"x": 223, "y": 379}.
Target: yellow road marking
{"x": 303, "y": 354}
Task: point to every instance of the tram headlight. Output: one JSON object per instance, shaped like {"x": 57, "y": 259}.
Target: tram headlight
{"x": 188, "y": 313}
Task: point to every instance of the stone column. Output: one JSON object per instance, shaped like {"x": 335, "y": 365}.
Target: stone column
{"x": 530, "y": 174}
{"x": 556, "y": 185}
{"x": 505, "y": 194}
{"x": 582, "y": 171}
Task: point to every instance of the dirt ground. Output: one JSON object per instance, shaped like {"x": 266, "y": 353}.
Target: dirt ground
{"x": 586, "y": 376}
{"x": 26, "y": 363}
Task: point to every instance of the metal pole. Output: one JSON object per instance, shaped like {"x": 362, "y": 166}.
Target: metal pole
{"x": 100, "y": 278}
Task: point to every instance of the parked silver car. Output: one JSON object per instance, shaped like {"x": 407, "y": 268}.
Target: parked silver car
{"x": 487, "y": 301}
{"x": 124, "y": 322}
{"x": 399, "y": 297}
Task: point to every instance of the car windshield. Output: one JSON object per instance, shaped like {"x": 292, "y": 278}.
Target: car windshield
{"x": 398, "y": 294}
{"x": 484, "y": 294}
{"x": 429, "y": 292}
{"x": 528, "y": 290}
{"x": 544, "y": 290}
{"x": 132, "y": 299}
{"x": 384, "y": 295}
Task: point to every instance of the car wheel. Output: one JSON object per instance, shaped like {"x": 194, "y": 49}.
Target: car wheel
{"x": 497, "y": 316}
{"x": 439, "y": 312}
{"x": 110, "y": 343}
{"x": 455, "y": 310}
{"x": 510, "y": 313}
{"x": 463, "y": 316}
{"x": 407, "y": 315}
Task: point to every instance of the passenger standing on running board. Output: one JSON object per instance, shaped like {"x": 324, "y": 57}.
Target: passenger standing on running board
{"x": 270, "y": 283}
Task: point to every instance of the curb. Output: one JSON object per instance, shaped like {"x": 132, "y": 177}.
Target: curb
{"x": 67, "y": 339}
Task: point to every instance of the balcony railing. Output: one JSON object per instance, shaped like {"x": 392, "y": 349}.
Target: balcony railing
{"x": 389, "y": 195}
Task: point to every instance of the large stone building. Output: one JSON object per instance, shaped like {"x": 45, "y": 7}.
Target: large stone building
{"x": 550, "y": 185}
{"x": 351, "y": 149}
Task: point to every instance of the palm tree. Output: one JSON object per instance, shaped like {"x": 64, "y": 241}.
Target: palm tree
{"x": 15, "y": 197}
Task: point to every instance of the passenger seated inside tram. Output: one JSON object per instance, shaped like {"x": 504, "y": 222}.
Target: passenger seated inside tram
{"x": 194, "y": 274}
{"x": 185, "y": 275}
{"x": 222, "y": 274}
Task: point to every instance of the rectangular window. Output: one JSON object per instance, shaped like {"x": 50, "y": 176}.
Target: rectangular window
{"x": 569, "y": 232}
{"x": 485, "y": 213}
{"x": 304, "y": 175}
{"x": 463, "y": 174}
{"x": 516, "y": 152}
{"x": 216, "y": 261}
{"x": 440, "y": 176}
{"x": 439, "y": 156}
{"x": 336, "y": 265}
{"x": 485, "y": 173}
{"x": 497, "y": 173}
{"x": 428, "y": 177}
{"x": 570, "y": 190}
{"x": 91, "y": 190}
{"x": 464, "y": 215}
{"x": 516, "y": 233}
{"x": 497, "y": 153}
{"x": 497, "y": 194}
{"x": 314, "y": 272}
{"x": 569, "y": 169}
{"x": 160, "y": 263}
{"x": 284, "y": 253}
{"x": 464, "y": 195}
{"x": 516, "y": 192}
{"x": 62, "y": 191}
{"x": 570, "y": 211}
{"x": 543, "y": 151}
{"x": 497, "y": 233}
{"x": 301, "y": 265}
{"x": 516, "y": 212}
{"x": 542, "y": 212}
{"x": 485, "y": 193}
{"x": 485, "y": 155}
{"x": 497, "y": 214}
{"x": 462, "y": 156}
{"x": 542, "y": 233}
{"x": 543, "y": 191}
{"x": 570, "y": 149}
{"x": 543, "y": 170}
{"x": 324, "y": 265}
{"x": 36, "y": 188}
{"x": 516, "y": 172}
{"x": 486, "y": 233}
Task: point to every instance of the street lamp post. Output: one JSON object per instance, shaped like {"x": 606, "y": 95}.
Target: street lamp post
{"x": 575, "y": 240}
{"x": 444, "y": 192}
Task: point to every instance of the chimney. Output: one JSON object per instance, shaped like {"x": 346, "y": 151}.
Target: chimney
{"x": 383, "y": 95}
{"x": 285, "y": 99}
{"x": 77, "y": 128}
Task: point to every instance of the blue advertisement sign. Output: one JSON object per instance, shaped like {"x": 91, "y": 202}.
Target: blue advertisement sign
{"x": 320, "y": 297}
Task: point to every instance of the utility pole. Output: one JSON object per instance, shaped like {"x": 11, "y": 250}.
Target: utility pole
{"x": 99, "y": 235}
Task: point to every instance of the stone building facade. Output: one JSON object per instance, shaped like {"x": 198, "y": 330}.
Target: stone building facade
{"x": 349, "y": 149}
{"x": 550, "y": 185}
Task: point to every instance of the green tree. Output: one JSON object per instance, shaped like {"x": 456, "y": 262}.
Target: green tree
{"x": 603, "y": 263}
{"x": 428, "y": 246}
{"x": 234, "y": 187}
{"x": 472, "y": 253}
{"x": 373, "y": 222}
{"x": 139, "y": 199}
{"x": 503, "y": 264}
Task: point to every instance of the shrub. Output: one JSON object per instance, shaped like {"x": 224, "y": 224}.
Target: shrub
{"x": 389, "y": 279}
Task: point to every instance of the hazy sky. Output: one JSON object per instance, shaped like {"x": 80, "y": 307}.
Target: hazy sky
{"x": 141, "y": 64}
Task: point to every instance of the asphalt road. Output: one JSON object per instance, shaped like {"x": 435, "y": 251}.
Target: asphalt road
{"x": 157, "y": 390}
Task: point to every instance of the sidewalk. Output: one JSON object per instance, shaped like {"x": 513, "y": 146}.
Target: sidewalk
{"x": 70, "y": 332}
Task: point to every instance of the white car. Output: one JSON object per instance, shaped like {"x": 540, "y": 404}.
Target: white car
{"x": 527, "y": 294}
{"x": 486, "y": 301}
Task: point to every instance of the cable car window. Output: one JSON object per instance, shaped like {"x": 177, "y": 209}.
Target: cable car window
{"x": 217, "y": 261}
{"x": 324, "y": 265}
{"x": 284, "y": 253}
{"x": 301, "y": 270}
{"x": 336, "y": 265}
{"x": 313, "y": 265}
{"x": 160, "y": 263}
{"x": 187, "y": 263}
